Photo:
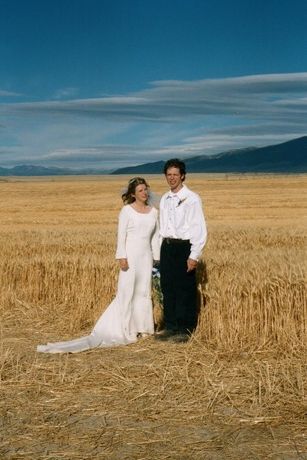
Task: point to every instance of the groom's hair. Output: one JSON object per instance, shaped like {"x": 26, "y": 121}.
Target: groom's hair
{"x": 175, "y": 163}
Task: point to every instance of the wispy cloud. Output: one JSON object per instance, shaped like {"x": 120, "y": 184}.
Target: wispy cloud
{"x": 169, "y": 100}
{"x": 8, "y": 94}
{"x": 65, "y": 93}
{"x": 170, "y": 117}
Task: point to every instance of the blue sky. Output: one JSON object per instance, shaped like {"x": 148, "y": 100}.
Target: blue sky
{"x": 110, "y": 83}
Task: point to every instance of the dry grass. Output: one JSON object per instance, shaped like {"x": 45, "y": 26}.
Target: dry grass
{"x": 237, "y": 390}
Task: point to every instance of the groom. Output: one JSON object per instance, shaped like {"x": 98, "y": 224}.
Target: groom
{"x": 184, "y": 234}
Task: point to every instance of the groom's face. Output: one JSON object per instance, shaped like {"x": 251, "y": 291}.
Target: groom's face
{"x": 174, "y": 179}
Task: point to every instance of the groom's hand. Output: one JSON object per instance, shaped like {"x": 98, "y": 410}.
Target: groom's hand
{"x": 123, "y": 263}
{"x": 191, "y": 264}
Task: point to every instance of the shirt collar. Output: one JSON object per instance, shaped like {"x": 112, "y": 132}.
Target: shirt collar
{"x": 182, "y": 193}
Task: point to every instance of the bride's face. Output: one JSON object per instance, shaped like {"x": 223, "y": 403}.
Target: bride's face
{"x": 141, "y": 193}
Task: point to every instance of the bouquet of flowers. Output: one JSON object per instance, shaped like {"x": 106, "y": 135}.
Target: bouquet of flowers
{"x": 156, "y": 286}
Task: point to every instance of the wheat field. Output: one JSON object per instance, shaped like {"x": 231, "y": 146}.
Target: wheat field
{"x": 236, "y": 390}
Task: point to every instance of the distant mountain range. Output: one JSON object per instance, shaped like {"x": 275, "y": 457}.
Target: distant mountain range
{"x": 31, "y": 170}
{"x": 288, "y": 157}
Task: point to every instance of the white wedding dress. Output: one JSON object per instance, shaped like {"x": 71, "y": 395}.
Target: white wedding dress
{"x": 130, "y": 312}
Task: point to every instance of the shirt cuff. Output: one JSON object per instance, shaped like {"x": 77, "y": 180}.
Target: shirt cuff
{"x": 194, "y": 255}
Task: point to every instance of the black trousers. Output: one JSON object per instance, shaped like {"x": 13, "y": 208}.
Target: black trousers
{"x": 178, "y": 286}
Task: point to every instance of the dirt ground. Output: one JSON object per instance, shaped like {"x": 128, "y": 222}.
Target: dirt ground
{"x": 144, "y": 401}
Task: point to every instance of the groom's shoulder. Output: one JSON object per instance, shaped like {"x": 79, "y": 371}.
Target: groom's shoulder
{"x": 193, "y": 198}
{"x": 190, "y": 194}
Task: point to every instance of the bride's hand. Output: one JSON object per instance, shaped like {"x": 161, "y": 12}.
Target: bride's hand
{"x": 123, "y": 263}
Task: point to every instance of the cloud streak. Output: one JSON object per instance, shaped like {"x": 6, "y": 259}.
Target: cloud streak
{"x": 8, "y": 94}
{"x": 170, "y": 100}
{"x": 65, "y": 93}
{"x": 170, "y": 117}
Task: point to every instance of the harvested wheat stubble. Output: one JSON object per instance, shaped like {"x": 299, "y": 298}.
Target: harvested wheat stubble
{"x": 237, "y": 390}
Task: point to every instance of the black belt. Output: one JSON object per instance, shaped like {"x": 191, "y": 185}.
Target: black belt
{"x": 175, "y": 241}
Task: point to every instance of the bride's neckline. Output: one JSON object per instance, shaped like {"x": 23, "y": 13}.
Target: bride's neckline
{"x": 140, "y": 212}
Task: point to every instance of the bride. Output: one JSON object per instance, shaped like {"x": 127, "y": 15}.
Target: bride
{"x": 130, "y": 313}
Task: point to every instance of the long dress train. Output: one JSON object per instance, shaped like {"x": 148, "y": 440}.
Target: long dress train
{"x": 130, "y": 312}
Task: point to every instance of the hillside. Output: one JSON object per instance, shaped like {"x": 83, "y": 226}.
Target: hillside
{"x": 288, "y": 157}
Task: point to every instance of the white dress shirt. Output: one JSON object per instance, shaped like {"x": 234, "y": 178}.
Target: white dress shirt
{"x": 181, "y": 216}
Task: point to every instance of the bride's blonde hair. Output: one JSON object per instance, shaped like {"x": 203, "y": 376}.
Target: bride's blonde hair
{"x": 127, "y": 196}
